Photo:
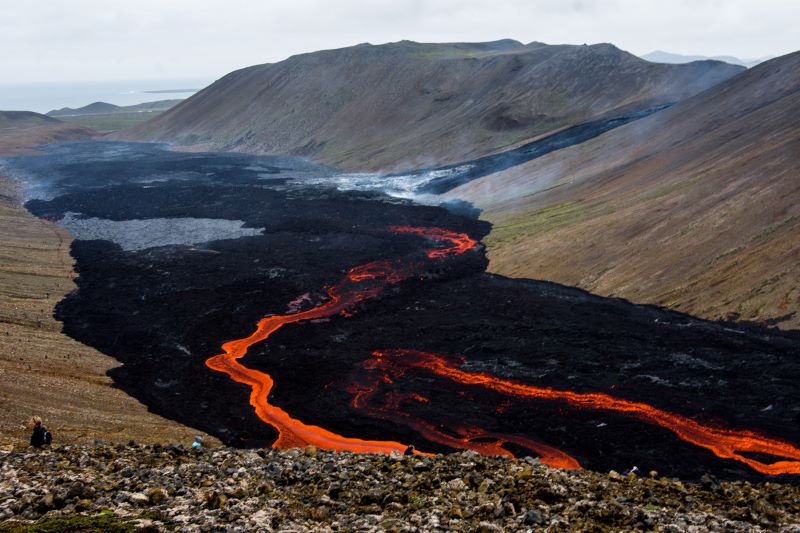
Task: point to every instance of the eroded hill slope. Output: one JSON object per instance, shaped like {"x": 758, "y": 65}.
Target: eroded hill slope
{"x": 695, "y": 208}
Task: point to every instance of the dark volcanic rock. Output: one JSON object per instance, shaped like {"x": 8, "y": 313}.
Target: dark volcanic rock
{"x": 164, "y": 311}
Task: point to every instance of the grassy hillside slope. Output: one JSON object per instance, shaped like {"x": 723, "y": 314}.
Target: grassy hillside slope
{"x": 696, "y": 207}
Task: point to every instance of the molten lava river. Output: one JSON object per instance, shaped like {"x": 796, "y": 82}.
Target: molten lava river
{"x": 389, "y": 365}
{"x": 419, "y": 344}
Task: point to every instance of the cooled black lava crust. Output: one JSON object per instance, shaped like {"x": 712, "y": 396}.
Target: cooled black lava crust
{"x": 164, "y": 311}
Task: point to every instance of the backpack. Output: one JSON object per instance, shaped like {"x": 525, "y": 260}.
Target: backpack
{"x": 41, "y": 437}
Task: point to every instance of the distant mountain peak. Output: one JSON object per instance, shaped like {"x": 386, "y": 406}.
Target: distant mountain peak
{"x": 104, "y": 108}
{"x": 660, "y": 56}
{"x": 93, "y": 108}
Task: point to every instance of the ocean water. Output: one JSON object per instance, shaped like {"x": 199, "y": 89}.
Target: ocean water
{"x": 44, "y": 97}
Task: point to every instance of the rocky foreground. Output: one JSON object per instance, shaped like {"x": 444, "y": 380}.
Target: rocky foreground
{"x": 129, "y": 488}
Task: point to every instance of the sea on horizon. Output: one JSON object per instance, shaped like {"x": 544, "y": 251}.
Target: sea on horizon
{"x": 44, "y": 97}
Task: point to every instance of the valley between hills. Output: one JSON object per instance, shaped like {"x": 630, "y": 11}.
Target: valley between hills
{"x": 559, "y": 252}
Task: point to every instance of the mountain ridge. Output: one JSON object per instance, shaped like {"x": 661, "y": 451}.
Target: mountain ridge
{"x": 409, "y": 105}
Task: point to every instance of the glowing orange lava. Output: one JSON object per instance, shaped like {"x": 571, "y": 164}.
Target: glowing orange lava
{"x": 466, "y": 438}
{"x": 724, "y": 443}
{"x": 368, "y": 281}
{"x": 361, "y": 283}
{"x": 461, "y": 241}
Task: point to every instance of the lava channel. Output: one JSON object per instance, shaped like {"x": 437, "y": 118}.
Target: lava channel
{"x": 724, "y": 443}
{"x": 465, "y": 438}
{"x": 361, "y": 283}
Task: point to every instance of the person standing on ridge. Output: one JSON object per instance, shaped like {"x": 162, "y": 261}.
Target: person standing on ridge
{"x": 40, "y": 436}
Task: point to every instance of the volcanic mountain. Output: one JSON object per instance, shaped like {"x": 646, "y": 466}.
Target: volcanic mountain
{"x": 696, "y": 207}
{"x": 408, "y": 104}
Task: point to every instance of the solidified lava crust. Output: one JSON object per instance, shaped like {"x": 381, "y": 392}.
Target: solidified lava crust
{"x": 165, "y": 311}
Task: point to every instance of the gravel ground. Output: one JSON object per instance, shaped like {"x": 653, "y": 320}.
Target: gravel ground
{"x": 171, "y": 488}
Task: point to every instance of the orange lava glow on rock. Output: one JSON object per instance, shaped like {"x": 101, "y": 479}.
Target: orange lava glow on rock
{"x": 368, "y": 281}
{"x": 361, "y": 283}
{"x": 724, "y": 443}
{"x": 464, "y": 438}
{"x": 461, "y": 241}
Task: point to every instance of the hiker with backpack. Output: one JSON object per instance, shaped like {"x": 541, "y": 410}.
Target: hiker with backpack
{"x": 40, "y": 436}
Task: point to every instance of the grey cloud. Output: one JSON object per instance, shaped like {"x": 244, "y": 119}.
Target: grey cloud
{"x": 134, "y": 39}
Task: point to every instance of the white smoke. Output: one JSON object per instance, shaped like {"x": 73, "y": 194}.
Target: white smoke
{"x": 405, "y": 186}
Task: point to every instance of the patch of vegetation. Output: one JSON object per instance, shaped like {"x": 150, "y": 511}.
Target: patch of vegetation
{"x": 105, "y": 521}
{"x": 520, "y": 224}
{"x": 528, "y": 224}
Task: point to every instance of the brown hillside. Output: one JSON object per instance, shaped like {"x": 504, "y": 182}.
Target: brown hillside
{"x": 42, "y": 371}
{"x": 407, "y": 104}
{"x": 20, "y": 131}
{"x": 696, "y": 207}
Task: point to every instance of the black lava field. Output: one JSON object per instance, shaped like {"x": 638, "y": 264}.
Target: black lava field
{"x": 385, "y": 330}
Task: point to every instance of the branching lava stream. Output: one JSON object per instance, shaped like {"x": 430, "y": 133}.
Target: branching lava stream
{"x": 724, "y": 443}
{"x": 361, "y": 283}
{"x": 368, "y": 281}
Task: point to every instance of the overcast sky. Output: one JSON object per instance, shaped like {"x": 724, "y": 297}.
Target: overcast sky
{"x": 81, "y": 40}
